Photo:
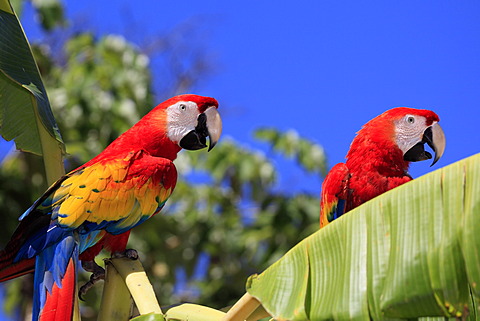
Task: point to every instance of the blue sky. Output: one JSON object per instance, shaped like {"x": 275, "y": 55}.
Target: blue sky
{"x": 323, "y": 68}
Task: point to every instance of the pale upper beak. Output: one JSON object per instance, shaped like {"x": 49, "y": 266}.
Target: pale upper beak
{"x": 214, "y": 126}
{"x": 435, "y": 138}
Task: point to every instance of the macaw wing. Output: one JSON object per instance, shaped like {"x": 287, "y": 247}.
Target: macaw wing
{"x": 334, "y": 194}
{"x": 112, "y": 195}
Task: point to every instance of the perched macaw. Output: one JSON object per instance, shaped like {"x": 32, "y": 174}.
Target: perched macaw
{"x": 96, "y": 205}
{"x": 379, "y": 157}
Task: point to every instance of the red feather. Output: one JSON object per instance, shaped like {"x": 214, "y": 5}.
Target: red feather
{"x": 110, "y": 242}
{"x": 374, "y": 164}
{"x": 10, "y": 270}
{"x": 60, "y": 303}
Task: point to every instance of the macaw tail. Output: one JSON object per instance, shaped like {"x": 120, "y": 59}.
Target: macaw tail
{"x": 55, "y": 282}
{"x": 60, "y": 303}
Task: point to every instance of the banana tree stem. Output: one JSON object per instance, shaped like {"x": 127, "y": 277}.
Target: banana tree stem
{"x": 116, "y": 300}
{"x": 242, "y": 309}
{"x": 138, "y": 284}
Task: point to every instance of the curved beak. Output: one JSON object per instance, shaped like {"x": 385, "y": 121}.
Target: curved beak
{"x": 209, "y": 124}
{"x": 214, "y": 126}
{"x": 435, "y": 138}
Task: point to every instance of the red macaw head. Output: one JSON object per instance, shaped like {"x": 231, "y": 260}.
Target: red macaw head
{"x": 185, "y": 121}
{"x": 411, "y": 129}
{"x": 191, "y": 119}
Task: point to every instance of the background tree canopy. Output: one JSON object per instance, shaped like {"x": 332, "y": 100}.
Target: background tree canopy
{"x": 226, "y": 219}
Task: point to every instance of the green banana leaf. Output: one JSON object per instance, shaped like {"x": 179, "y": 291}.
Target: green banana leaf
{"x": 25, "y": 113}
{"x": 412, "y": 252}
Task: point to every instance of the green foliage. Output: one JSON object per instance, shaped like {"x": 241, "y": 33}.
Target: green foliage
{"x": 311, "y": 156}
{"x": 410, "y": 252}
{"x": 50, "y": 13}
{"x": 225, "y": 207}
{"x": 25, "y": 117}
{"x": 103, "y": 88}
{"x": 25, "y": 114}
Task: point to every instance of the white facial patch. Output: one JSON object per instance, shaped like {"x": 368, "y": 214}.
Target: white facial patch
{"x": 409, "y": 131}
{"x": 181, "y": 119}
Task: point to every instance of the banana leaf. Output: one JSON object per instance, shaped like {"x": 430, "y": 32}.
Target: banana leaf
{"x": 25, "y": 113}
{"x": 411, "y": 253}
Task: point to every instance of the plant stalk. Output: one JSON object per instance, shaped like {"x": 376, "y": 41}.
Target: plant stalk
{"x": 138, "y": 284}
{"x": 116, "y": 300}
{"x": 242, "y": 309}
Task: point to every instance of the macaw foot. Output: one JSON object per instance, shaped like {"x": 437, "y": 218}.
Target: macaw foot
{"x": 128, "y": 253}
{"x": 98, "y": 273}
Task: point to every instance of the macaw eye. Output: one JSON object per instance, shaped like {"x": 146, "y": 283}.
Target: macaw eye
{"x": 410, "y": 119}
{"x": 182, "y": 107}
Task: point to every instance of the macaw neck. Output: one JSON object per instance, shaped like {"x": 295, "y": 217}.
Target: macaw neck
{"x": 160, "y": 146}
{"x": 376, "y": 155}
{"x": 141, "y": 136}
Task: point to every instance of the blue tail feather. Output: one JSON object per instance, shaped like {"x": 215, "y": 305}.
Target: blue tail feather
{"x": 50, "y": 268}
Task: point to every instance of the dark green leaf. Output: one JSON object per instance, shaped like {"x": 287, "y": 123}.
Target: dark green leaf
{"x": 23, "y": 98}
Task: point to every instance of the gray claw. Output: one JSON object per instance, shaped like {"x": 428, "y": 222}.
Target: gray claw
{"x": 98, "y": 273}
{"x": 129, "y": 254}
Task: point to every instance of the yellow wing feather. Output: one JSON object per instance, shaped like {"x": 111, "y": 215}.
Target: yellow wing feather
{"x": 133, "y": 218}
{"x": 108, "y": 192}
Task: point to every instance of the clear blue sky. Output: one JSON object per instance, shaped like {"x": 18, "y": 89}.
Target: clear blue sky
{"x": 323, "y": 68}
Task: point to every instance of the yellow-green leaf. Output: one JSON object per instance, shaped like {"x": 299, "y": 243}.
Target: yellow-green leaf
{"x": 412, "y": 252}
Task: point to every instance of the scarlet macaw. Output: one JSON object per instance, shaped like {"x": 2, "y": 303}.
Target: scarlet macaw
{"x": 96, "y": 205}
{"x": 379, "y": 158}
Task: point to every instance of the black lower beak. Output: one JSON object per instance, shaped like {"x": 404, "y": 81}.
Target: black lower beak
{"x": 435, "y": 138}
{"x": 197, "y": 138}
{"x": 193, "y": 141}
{"x": 417, "y": 152}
